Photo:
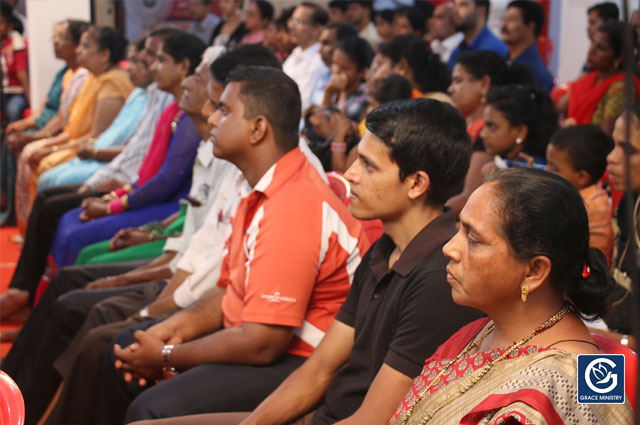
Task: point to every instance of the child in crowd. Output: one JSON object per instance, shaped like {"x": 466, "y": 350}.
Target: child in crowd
{"x": 579, "y": 155}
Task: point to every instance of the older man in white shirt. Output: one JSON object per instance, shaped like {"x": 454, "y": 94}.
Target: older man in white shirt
{"x": 304, "y": 65}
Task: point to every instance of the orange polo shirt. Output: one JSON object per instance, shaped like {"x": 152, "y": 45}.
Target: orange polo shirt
{"x": 292, "y": 253}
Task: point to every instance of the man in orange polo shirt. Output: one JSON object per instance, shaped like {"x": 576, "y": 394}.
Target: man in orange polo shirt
{"x": 287, "y": 270}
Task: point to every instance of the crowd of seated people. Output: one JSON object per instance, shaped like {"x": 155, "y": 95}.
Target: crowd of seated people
{"x": 188, "y": 258}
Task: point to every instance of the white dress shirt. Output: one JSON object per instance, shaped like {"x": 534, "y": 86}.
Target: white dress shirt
{"x": 305, "y": 67}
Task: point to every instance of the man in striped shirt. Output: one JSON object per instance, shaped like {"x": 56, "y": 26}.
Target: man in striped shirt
{"x": 287, "y": 269}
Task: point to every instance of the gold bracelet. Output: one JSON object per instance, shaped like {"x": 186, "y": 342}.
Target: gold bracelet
{"x": 124, "y": 201}
{"x": 152, "y": 235}
{"x": 108, "y": 209}
{"x": 94, "y": 152}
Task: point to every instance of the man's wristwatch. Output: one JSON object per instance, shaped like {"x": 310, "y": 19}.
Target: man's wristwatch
{"x": 168, "y": 371}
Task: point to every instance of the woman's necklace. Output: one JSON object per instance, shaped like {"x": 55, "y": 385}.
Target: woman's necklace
{"x": 546, "y": 325}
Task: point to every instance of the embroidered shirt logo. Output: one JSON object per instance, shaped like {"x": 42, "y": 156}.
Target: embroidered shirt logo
{"x": 277, "y": 298}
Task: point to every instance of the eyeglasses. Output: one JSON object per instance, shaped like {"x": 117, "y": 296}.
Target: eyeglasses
{"x": 295, "y": 21}
{"x": 60, "y": 37}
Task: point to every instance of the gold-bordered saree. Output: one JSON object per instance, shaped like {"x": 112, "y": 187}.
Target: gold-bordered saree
{"x": 533, "y": 385}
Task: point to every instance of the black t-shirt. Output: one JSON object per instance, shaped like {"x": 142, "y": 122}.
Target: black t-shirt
{"x": 400, "y": 316}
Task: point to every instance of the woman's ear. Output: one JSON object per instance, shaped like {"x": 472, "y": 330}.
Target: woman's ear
{"x": 538, "y": 271}
{"x": 521, "y": 132}
{"x": 402, "y": 68}
{"x": 485, "y": 84}
{"x": 105, "y": 55}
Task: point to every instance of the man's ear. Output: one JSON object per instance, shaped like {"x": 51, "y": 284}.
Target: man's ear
{"x": 419, "y": 183}
{"x": 259, "y": 129}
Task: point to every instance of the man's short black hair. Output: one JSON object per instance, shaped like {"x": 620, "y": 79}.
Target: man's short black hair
{"x": 607, "y": 11}
{"x": 387, "y": 15}
{"x": 364, "y": 3}
{"x": 487, "y": 6}
{"x": 339, "y": 4}
{"x": 425, "y": 135}
{"x": 273, "y": 94}
{"x": 343, "y": 29}
{"x": 319, "y": 16}
{"x": 531, "y": 12}
{"x": 587, "y": 147}
{"x": 416, "y": 17}
{"x": 247, "y": 55}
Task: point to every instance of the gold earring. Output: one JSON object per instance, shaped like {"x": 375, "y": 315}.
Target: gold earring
{"x": 524, "y": 292}
{"x": 483, "y": 98}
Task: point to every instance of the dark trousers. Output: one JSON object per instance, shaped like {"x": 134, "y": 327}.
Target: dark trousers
{"x": 206, "y": 388}
{"x": 49, "y": 328}
{"x": 79, "y": 364}
{"x": 49, "y": 206}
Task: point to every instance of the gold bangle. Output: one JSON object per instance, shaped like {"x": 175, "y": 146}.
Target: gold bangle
{"x": 108, "y": 209}
{"x": 151, "y": 235}
{"x": 109, "y": 196}
{"x": 94, "y": 152}
{"x": 124, "y": 202}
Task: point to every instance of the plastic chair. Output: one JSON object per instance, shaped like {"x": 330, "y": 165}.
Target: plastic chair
{"x": 609, "y": 346}
{"x": 11, "y": 402}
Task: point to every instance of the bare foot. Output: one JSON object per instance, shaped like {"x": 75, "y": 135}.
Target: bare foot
{"x": 12, "y": 301}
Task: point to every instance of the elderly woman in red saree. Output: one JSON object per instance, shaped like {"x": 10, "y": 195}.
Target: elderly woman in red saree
{"x": 598, "y": 97}
{"x": 536, "y": 279}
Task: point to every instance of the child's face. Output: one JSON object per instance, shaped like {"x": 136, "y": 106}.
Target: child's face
{"x": 558, "y": 162}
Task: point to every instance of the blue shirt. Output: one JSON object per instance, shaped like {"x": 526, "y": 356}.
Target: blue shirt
{"x": 531, "y": 58}
{"x": 484, "y": 41}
